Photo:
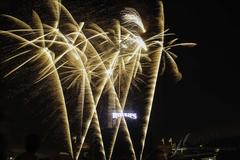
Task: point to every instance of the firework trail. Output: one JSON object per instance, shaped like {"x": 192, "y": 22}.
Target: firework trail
{"x": 95, "y": 62}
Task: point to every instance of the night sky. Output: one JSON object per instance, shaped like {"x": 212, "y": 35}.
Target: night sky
{"x": 206, "y": 99}
{"x": 205, "y": 102}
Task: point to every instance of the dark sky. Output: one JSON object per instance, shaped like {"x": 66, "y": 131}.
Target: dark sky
{"x": 205, "y": 102}
{"x": 206, "y": 98}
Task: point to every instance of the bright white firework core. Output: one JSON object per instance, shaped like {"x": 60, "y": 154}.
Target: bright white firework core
{"x": 109, "y": 72}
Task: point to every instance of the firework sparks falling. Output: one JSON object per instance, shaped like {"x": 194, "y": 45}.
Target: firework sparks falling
{"x": 132, "y": 19}
{"x": 96, "y": 62}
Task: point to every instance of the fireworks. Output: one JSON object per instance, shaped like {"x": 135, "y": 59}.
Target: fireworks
{"x": 95, "y": 62}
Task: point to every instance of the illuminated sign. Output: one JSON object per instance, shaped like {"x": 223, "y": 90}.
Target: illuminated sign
{"x": 116, "y": 115}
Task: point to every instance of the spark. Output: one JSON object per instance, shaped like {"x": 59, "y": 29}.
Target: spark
{"x": 93, "y": 62}
{"x": 132, "y": 18}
